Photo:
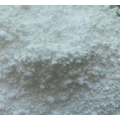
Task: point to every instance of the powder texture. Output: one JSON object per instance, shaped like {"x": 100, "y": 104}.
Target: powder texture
{"x": 59, "y": 60}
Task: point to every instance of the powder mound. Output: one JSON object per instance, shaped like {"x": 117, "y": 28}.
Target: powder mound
{"x": 59, "y": 60}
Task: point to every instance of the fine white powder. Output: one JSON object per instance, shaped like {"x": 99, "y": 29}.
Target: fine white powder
{"x": 59, "y": 60}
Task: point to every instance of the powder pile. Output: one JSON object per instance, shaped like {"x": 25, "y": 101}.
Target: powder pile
{"x": 59, "y": 60}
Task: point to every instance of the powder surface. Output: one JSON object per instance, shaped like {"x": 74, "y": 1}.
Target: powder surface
{"x": 59, "y": 60}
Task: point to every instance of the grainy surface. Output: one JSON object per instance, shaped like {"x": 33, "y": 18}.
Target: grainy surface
{"x": 59, "y": 60}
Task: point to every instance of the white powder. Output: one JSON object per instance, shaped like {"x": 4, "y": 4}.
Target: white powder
{"x": 59, "y": 60}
